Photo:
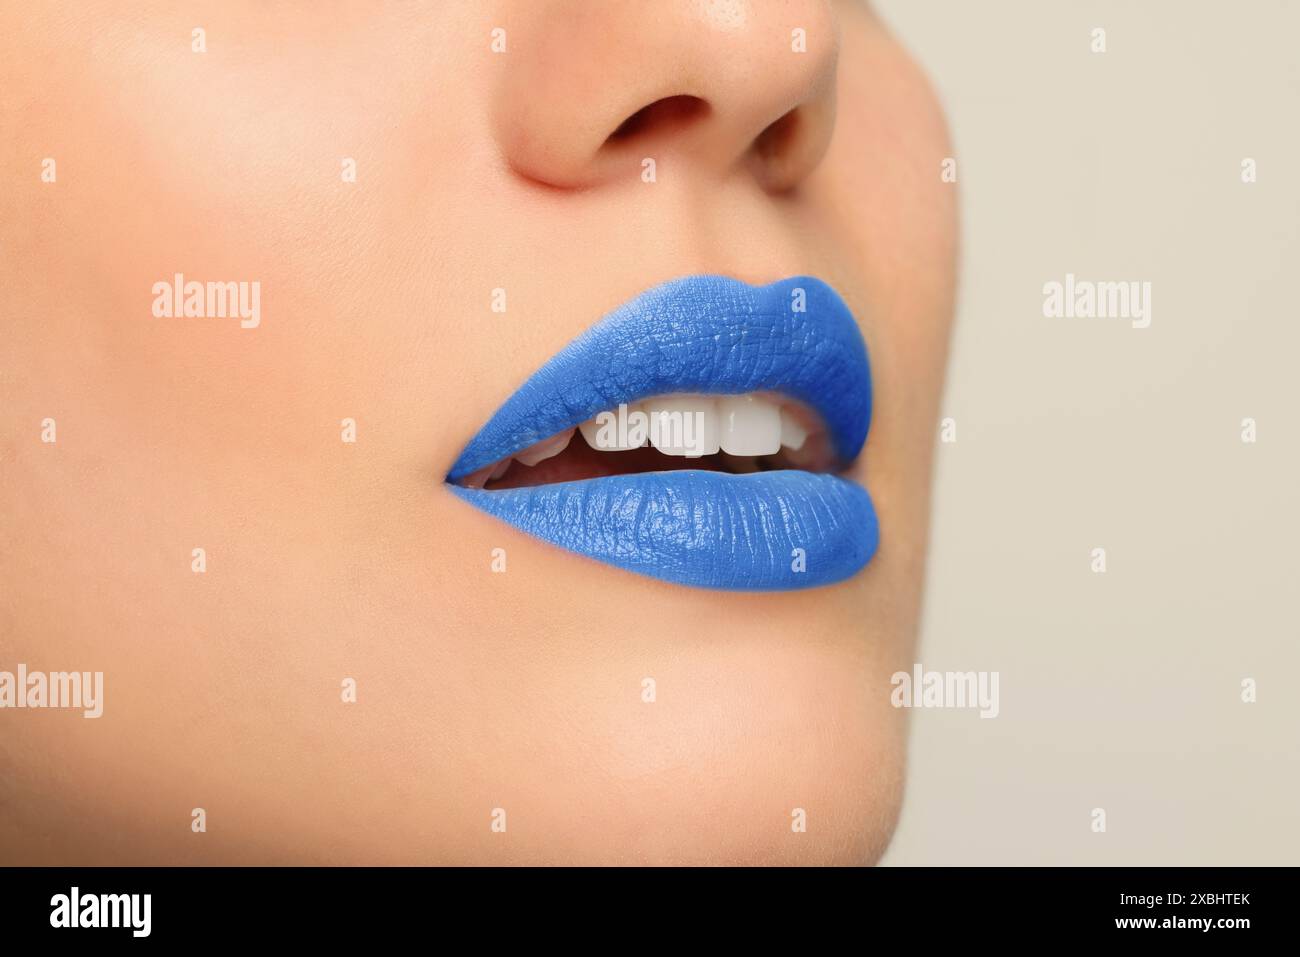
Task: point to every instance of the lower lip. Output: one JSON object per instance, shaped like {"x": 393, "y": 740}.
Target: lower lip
{"x": 764, "y": 531}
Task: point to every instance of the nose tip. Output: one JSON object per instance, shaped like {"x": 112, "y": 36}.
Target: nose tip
{"x": 590, "y": 89}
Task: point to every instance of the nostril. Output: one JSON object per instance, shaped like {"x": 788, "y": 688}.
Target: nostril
{"x": 789, "y": 148}
{"x": 778, "y": 138}
{"x": 670, "y": 113}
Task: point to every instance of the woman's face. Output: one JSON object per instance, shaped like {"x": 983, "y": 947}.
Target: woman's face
{"x": 429, "y": 220}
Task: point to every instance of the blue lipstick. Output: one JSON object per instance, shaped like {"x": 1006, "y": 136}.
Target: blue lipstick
{"x": 773, "y": 530}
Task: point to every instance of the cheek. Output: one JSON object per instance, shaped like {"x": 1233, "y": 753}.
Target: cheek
{"x": 237, "y": 165}
{"x": 885, "y": 170}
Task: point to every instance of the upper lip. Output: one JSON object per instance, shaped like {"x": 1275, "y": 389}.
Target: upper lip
{"x": 706, "y": 334}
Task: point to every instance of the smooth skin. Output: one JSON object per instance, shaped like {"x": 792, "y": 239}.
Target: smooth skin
{"x": 476, "y": 690}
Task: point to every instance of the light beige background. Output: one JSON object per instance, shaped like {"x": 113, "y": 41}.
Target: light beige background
{"x": 1118, "y": 690}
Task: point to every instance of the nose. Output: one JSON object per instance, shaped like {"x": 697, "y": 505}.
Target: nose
{"x": 588, "y": 89}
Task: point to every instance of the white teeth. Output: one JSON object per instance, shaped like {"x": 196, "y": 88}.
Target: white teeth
{"x": 793, "y": 434}
{"x": 545, "y": 450}
{"x": 750, "y": 425}
{"x": 683, "y": 425}
{"x": 618, "y": 430}
{"x": 692, "y": 426}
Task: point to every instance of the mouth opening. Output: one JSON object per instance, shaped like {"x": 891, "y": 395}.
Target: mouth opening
{"x": 775, "y": 431}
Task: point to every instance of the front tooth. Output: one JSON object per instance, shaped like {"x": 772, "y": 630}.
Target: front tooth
{"x": 750, "y": 425}
{"x": 793, "y": 434}
{"x": 683, "y": 425}
{"x": 603, "y": 432}
{"x": 545, "y": 450}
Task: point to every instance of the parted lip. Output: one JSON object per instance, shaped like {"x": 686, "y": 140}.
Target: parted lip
{"x": 772, "y": 530}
